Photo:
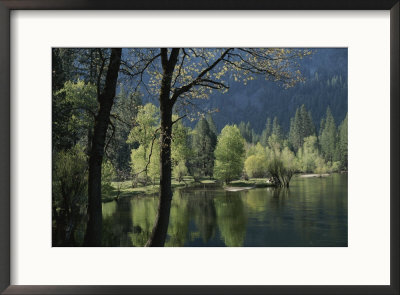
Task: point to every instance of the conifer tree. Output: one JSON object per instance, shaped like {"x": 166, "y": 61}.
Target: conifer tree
{"x": 301, "y": 126}
{"x": 203, "y": 144}
{"x": 266, "y": 133}
{"x": 276, "y": 129}
{"x": 328, "y": 137}
{"x": 342, "y": 144}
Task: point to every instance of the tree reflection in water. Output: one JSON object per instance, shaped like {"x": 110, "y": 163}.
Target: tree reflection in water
{"x": 312, "y": 212}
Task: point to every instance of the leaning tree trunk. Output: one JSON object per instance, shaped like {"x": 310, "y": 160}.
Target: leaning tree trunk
{"x": 159, "y": 233}
{"x": 106, "y": 99}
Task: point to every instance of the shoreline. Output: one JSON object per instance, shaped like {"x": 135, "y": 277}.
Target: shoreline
{"x": 238, "y": 188}
{"x": 314, "y": 175}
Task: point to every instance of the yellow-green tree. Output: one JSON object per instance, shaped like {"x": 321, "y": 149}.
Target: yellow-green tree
{"x": 145, "y": 158}
{"x": 229, "y": 154}
{"x": 256, "y": 164}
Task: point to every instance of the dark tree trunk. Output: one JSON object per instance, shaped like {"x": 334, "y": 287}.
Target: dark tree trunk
{"x": 106, "y": 99}
{"x": 159, "y": 233}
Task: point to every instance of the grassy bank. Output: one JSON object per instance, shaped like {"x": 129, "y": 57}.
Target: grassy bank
{"x": 124, "y": 189}
{"x": 252, "y": 182}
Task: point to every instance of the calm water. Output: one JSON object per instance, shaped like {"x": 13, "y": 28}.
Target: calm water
{"x": 313, "y": 212}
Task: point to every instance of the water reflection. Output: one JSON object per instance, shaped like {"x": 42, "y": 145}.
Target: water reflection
{"x": 313, "y": 212}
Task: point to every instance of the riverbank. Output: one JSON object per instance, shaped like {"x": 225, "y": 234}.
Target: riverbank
{"x": 314, "y": 175}
{"x": 125, "y": 189}
{"x": 240, "y": 185}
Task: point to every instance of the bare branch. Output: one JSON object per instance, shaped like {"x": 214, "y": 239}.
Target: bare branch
{"x": 173, "y": 122}
{"x": 187, "y": 87}
{"x": 151, "y": 152}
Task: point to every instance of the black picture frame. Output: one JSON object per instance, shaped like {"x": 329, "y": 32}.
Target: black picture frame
{"x": 6, "y": 6}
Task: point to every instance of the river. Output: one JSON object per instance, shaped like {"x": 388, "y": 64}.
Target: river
{"x": 312, "y": 212}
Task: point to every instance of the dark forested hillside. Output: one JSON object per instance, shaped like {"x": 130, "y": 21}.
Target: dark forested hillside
{"x": 326, "y": 85}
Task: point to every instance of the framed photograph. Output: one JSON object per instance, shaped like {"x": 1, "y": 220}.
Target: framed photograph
{"x": 210, "y": 147}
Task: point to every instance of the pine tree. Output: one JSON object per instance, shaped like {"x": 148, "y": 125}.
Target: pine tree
{"x": 246, "y": 131}
{"x": 295, "y": 132}
{"x": 276, "y": 129}
{"x": 342, "y": 144}
{"x": 203, "y": 144}
{"x": 212, "y": 126}
{"x": 301, "y": 126}
{"x": 328, "y": 137}
{"x": 266, "y": 133}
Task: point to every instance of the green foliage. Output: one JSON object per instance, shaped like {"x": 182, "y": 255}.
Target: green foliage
{"x": 231, "y": 220}
{"x": 328, "y": 137}
{"x": 308, "y": 154}
{"x": 140, "y": 160}
{"x": 108, "y": 174}
{"x": 266, "y": 133}
{"x": 203, "y": 145}
{"x": 179, "y": 171}
{"x": 180, "y": 142}
{"x": 123, "y": 117}
{"x": 342, "y": 145}
{"x": 69, "y": 193}
{"x": 229, "y": 154}
{"x": 256, "y": 164}
{"x": 282, "y": 164}
{"x": 74, "y": 107}
{"x": 144, "y": 133}
{"x": 257, "y": 149}
{"x": 320, "y": 166}
{"x": 301, "y": 126}
{"x": 277, "y": 130}
{"x": 70, "y": 178}
{"x": 246, "y": 131}
{"x": 147, "y": 121}
{"x": 212, "y": 126}
{"x": 274, "y": 142}
{"x": 334, "y": 166}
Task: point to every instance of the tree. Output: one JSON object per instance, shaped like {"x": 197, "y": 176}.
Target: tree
{"x": 266, "y": 133}
{"x": 246, "y": 131}
{"x": 212, "y": 126}
{"x": 229, "y": 154}
{"x": 328, "y": 137}
{"x": 69, "y": 193}
{"x": 320, "y": 166}
{"x": 277, "y": 130}
{"x": 145, "y": 166}
{"x": 180, "y": 142}
{"x": 101, "y": 123}
{"x": 123, "y": 119}
{"x": 308, "y": 154}
{"x": 145, "y": 133}
{"x": 192, "y": 73}
{"x": 180, "y": 170}
{"x": 342, "y": 144}
{"x": 301, "y": 126}
{"x": 256, "y": 166}
{"x": 282, "y": 165}
{"x": 77, "y": 109}
{"x": 203, "y": 145}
